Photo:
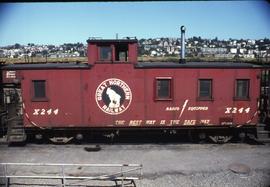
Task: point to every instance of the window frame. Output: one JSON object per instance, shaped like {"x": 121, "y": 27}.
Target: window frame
{"x": 170, "y": 89}
{"x": 33, "y": 96}
{"x": 205, "y": 98}
{"x": 99, "y": 59}
{"x": 119, "y": 49}
{"x": 238, "y": 98}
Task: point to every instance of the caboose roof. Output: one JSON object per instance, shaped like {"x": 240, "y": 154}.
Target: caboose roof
{"x": 46, "y": 66}
{"x": 139, "y": 65}
{"x": 112, "y": 41}
{"x": 211, "y": 65}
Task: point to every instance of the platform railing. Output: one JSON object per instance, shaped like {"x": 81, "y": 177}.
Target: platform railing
{"x": 70, "y": 174}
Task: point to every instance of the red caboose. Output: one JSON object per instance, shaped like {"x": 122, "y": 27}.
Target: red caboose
{"x": 114, "y": 91}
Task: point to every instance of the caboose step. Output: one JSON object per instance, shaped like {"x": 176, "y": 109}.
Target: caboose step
{"x": 15, "y": 128}
{"x": 3, "y": 140}
{"x": 261, "y": 127}
{"x": 263, "y": 134}
{"x": 16, "y": 138}
{"x": 267, "y": 140}
{"x": 16, "y": 133}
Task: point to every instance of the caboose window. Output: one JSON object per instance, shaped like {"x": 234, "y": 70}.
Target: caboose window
{"x": 105, "y": 53}
{"x": 39, "y": 89}
{"x": 242, "y": 89}
{"x": 163, "y": 89}
{"x": 121, "y": 52}
{"x": 205, "y": 89}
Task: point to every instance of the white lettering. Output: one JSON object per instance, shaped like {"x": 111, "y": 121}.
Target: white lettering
{"x": 228, "y": 110}
{"x": 120, "y": 122}
{"x": 42, "y": 112}
{"x": 235, "y": 110}
{"x": 196, "y": 108}
{"x": 135, "y": 122}
{"x": 189, "y": 122}
{"x": 49, "y": 111}
{"x": 162, "y": 122}
{"x": 150, "y": 122}
{"x": 241, "y": 110}
{"x": 172, "y": 109}
{"x": 55, "y": 111}
{"x": 174, "y": 122}
{"x": 205, "y": 121}
{"x": 247, "y": 110}
{"x": 11, "y": 74}
{"x": 36, "y": 112}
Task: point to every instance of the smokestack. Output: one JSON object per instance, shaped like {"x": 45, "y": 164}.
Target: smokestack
{"x": 182, "y": 58}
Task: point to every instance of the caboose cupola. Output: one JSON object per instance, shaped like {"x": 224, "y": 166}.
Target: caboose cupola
{"x": 112, "y": 51}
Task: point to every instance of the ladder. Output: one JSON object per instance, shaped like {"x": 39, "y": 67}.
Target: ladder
{"x": 15, "y": 128}
{"x": 16, "y": 132}
{"x": 263, "y": 128}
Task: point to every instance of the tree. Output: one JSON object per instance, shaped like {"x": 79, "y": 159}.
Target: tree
{"x": 50, "y": 47}
{"x": 79, "y": 45}
{"x": 44, "y": 53}
{"x": 17, "y": 46}
{"x": 141, "y": 40}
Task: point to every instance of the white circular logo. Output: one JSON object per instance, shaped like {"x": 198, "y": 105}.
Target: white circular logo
{"x": 113, "y": 96}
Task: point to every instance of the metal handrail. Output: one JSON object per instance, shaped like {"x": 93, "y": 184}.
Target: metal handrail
{"x": 117, "y": 176}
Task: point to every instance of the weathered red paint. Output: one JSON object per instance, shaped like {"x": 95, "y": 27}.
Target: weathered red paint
{"x": 71, "y": 92}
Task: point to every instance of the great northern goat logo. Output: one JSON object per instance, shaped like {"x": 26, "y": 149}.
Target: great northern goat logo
{"x": 113, "y": 96}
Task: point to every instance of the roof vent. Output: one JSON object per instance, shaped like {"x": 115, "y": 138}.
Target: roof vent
{"x": 182, "y": 52}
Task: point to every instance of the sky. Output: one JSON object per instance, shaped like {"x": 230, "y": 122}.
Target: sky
{"x": 58, "y": 23}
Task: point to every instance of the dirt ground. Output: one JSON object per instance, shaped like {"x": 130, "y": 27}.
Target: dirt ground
{"x": 164, "y": 165}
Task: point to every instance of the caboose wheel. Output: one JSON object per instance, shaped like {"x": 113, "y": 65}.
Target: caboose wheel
{"x": 220, "y": 139}
{"x": 242, "y": 137}
{"x": 193, "y": 136}
{"x": 202, "y": 137}
{"x": 79, "y": 138}
{"x": 39, "y": 138}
